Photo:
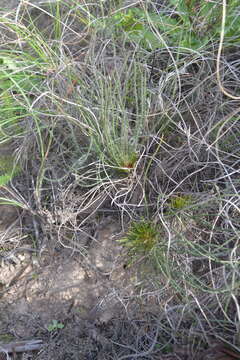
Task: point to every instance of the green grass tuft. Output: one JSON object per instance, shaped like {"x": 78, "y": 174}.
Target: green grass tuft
{"x": 141, "y": 237}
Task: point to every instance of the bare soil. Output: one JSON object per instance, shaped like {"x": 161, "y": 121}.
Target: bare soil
{"x": 59, "y": 285}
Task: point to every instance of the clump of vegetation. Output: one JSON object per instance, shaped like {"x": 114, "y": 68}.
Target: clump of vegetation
{"x": 125, "y": 163}
{"x": 180, "y": 202}
{"x": 55, "y": 325}
{"x": 17, "y": 82}
{"x": 141, "y": 237}
{"x": 192, "y": 24}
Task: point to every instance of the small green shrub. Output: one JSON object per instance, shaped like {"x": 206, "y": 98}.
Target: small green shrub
{"x": 141, "y": 237}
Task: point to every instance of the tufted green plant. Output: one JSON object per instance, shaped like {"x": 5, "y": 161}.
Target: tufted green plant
{"x": 180, "y": 202}
{"x": 141, "y": 237}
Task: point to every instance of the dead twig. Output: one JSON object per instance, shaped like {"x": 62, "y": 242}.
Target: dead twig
{"x": 21, "y": 346}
